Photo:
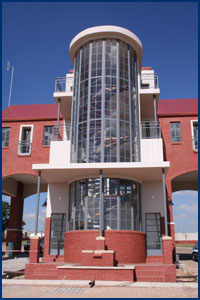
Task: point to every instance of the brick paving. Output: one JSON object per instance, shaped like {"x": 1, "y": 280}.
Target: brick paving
{"x": 25, "y": 291}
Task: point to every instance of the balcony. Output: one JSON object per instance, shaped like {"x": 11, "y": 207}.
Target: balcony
{"x": 62, "y": 133}
{"x": 151, "y": 142}
{"x": 149, "y": 81}
{"x": 24, "y": 147}
{"x": 195, "y": 143}
{"x": 150, "y": 130}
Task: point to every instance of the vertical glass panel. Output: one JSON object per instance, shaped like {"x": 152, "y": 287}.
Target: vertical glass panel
{"x": 58, "y": 224}
{"x": 88, "y": 147}
{"x": 126, "y": 214}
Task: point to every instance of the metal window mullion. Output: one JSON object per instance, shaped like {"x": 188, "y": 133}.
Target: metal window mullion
{"x": 118, "y": 104}
{"x": 86, "y": 207}
{"x": 78, "y": 105}
{"x": 140, "y": 205}
{"x": 137, "y": 105}
{"x": 103, "y": 99}
{"x": 101, "y": 203}
{"x": 118, "y": 206}
{"x": 130, "y": 106}
{"x": 88, "y": 107}
{"x": 132, "y": 208}
{"x": 75, "y": 195}
{"x": 73, "y": 105}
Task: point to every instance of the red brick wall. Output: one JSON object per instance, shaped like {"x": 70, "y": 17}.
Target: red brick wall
{"x": 181, "y": 156}
{"x": 47, "y": 231}
{"x": 34, "y": 250}
{"x": 50, "y": 271}
{"x": 177, "y": 153}
{"x": 39, "y": 153}
{"x": 130, "y": 246}
{"x": 14, "y": 233}
{"x": 155, "y": 273}
{"x": 185, "y": 242}
{"x": 167, "y": 248}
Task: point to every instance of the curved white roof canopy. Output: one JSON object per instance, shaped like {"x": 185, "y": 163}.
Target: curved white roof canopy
{"x": 100, "y": 32}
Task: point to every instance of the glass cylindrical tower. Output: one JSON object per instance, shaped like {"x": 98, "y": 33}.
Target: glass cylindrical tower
{"x": 105, "y": 110}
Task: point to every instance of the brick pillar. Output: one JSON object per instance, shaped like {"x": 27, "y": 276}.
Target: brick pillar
{"x": 14, "y": 231}
{"x": 100, "y": 243}
{"x": 167, "y": 248}
{"x": 47, "y": 232}
{"x": 34, "y": 249}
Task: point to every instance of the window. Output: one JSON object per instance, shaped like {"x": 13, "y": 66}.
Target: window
{"x": 25, "y": 140}
{"x": 5, "y": 136}
{"x": 194, "y": 124}
{"x": 175, "y": 128}
{"x": 58, "y": 224}
{"x": 48, "y": 134}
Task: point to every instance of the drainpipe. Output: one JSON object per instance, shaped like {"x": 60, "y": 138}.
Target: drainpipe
{"x": 58, "y": 119}
{"x": 154, "y": 108}
{"x": 38, "y": 201}
{"x": 165, "y": 203}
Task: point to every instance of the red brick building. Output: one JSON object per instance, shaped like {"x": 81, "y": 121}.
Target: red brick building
{"x": 106, "y": 154}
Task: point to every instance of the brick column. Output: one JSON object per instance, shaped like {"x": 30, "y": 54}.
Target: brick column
{"x": 100, "y": 243}
{"x": 47, "y": 233}
{"x": 167, "y": 249}
{"x": 34, "y": 249}
{"x": 14, "y": 231}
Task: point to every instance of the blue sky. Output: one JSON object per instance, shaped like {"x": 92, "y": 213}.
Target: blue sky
{"x": 36, "y": 38}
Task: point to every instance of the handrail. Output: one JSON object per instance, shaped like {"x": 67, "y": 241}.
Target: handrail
{"x": 60, "y": 84}
{"x": 149, "y": 81}
{"x": 150, "y": 130}
{"x": 61, "y": 133}
{"x": 24, "y": 147}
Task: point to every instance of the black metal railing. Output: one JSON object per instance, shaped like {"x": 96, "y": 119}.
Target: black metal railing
{"x": 24, "y": 147}
{"x": 149, "y": 81}
{"x": 195, "y": 143}
{"x": 61, "y": 133}
{"x": 151, "y": 130}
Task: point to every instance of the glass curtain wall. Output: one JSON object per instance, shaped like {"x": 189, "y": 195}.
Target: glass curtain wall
{"x": 121, "y": 199}
{"x": 105, "y": 103}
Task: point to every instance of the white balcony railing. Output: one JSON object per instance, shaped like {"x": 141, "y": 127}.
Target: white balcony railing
{"x": 60, "y": 84}
{"x": 151, "y": 130}
{"x": 149, "y": 81}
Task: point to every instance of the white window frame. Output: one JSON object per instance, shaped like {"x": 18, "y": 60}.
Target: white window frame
{"x": 20, "y": 139}
{"x": 192, "y": 131}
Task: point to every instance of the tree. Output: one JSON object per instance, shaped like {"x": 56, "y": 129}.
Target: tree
{"x": 5, "y": 215}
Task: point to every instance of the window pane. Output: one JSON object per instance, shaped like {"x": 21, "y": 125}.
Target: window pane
{"x": 5, "y": 137}
{"x": 175, "y": 130}
{"x": 48, "y": 135}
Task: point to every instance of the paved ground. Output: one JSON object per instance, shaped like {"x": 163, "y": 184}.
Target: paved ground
{"x": 20, "y": 288}
{"x": 129, "y": 291}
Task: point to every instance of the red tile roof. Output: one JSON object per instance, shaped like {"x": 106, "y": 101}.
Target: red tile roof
{"x": 30, "y": 112}
{"x": 178, "y": 107}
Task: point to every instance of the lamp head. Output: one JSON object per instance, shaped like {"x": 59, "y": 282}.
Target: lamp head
{"x": 8, "y": 66}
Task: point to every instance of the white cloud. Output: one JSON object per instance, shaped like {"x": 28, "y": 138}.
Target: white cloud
{"x": 32, "y": 217}
{"x": 186, "y": 193}
{"x": 180, "y": 216}
{"x": 193, "y": 222}
{"x": 188, "y": 208}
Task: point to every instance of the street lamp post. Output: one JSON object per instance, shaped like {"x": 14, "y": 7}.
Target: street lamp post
{"x": 11, "y": 81}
